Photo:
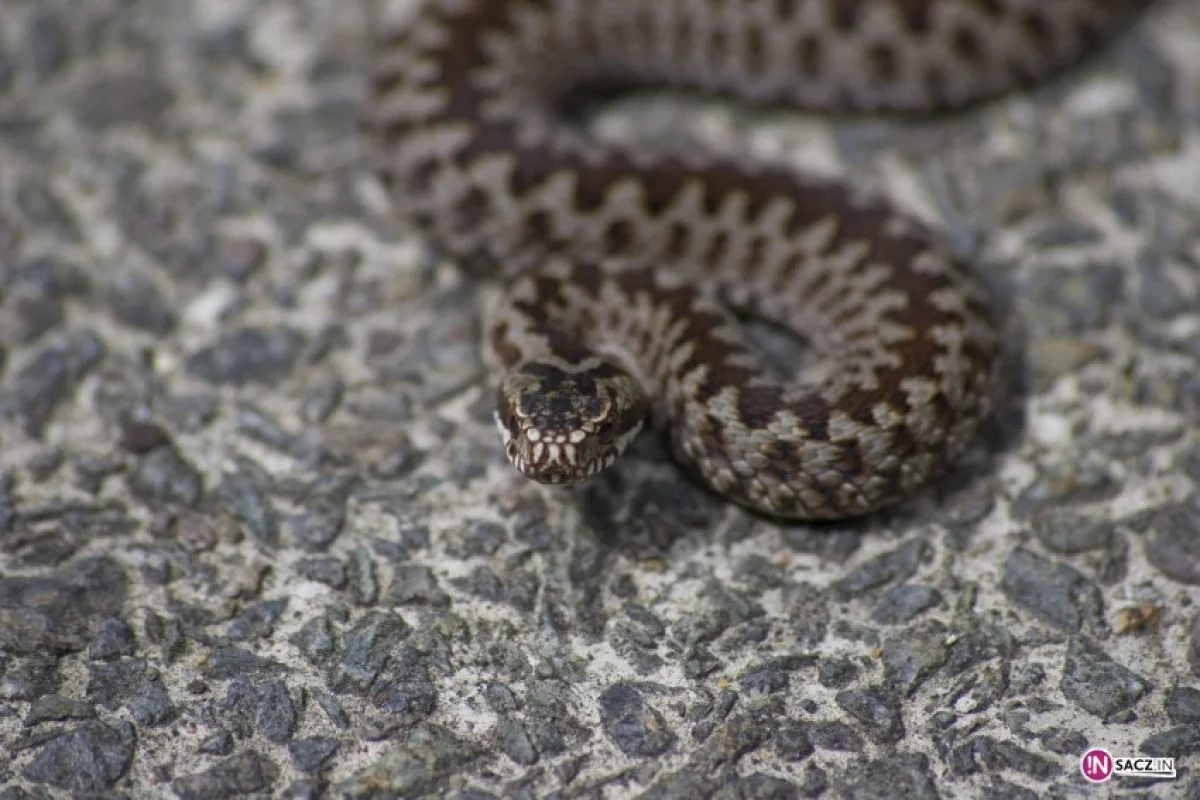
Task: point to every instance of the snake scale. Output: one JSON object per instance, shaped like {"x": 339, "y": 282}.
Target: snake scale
{"x": 622, "y": 263}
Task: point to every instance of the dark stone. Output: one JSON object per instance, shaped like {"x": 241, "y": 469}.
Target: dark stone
{"x": 1067, "y": 532}
{"x": 90, "y": 758}
{"x": 323, "y": 569}
{"x": 368, "y": 645}
{"x": 483, "y": 583}
{"x": 114, "y": 638}
{"x": 54, "y": 614}
{"x": 242, "y": 774}
{"x": 163, "y": 477}
{"x": 30, "y": 678}
{"x": 759, "y": 680}
{"x": 501, "y": 698}
{"x": 877, "y": 710}
{"x": 309, "y": 755}
{"x": 632, "y": 725}
{"x": 792, "y": 742}
{"x": 1193, "y": 651}
{"x": 996, "y": 755}
{"x": 48, "y": 379}
{"x": 276, "y": 715}
{"x": 761, "y": 786}
{"x": 979, "y": 645}
{"x": 1178, "y": 742}
{"x": 142, "y": 437}
{"x": 229, "y": 662}
{"x": 1096, "y": 683}
{"x": 978, "y": 691}
{"x": 912, "y": 657}
{"x": 1063, "y": 742}
{"x": 406, "y": 691}
{"x": 190, "y": 413}
{"x": 256, "y": 621}
{"x": 1174, "y": 542}
{"x": 332, "y": 708}
{"x": 247, "y": 502}
{"x": 56, "y": 708}
{"x": 894, "y": 566}
{"x": 741, "y": 734}
{"x": 835, "y": 735}
{"x": 1182, "y": 705}
{"x": 999, "y": 789}
{"x": 514, "y": 741}
{"x": 112, "y": 683}
{"x": 150, "y": 704}
{"x": 904, "y": 775}
{"x": 419, "y": 765}
{"x": 478, "y": 538}
{"x": 837, "y": 673}
{"x": 315, "y": 640}
{"x": 324, "y": 514}
{"x": 248, "y": 356}
{"x": 1056, "y": 594}
{"x": 360, "y": 572}
{"x": 217, "y": 743}
{"x": 903, "y": 603}
{"x": 136, "y": 301}
{"x": 49, "y": 41}
{"x": 40, "y": 204}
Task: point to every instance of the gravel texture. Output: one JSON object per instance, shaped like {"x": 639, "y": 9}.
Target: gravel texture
{"x": 258, "y": 537}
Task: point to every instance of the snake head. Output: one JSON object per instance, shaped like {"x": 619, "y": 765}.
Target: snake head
{"x": 562, "y": 426}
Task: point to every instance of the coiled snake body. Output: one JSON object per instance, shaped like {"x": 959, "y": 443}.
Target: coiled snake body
{"x": 621, "y": 261}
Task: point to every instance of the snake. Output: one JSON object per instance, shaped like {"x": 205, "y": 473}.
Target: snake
{"x": 626, "y": 269}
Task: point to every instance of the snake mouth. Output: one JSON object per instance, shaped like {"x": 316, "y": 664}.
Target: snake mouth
{"x": 557, "y": 472}
{"x": 560, "y": 460}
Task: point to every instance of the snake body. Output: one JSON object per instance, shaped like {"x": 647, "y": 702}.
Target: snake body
{"x": 622, "y": 262}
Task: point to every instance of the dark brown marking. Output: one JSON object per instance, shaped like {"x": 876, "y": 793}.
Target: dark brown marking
{"x": 717, "y": 247}
{"x": 421, "y": 176}
{"x": 1037, "y": 26}
{"x": 756, "y": 256}
{"x": 845, "y": 15}
{"x": 935, "y": 82}
{"x": 916, "y": 16}
{"x": 809, "y": 57}
{"x": 992, "y": 8}
{"x": 505, "y": 350}
{"x": 588, "y": 276}
{"x": 619, "y": 237}
{"x": 472, "y": 207}
{"x": 537, "y": 226}
{"x": 718, "y": 45}
{"x": 755, "y": 48}
{"x": 966, "y": 44}
{"x": 882, "y": 62}
{"x": 677, "y": 241}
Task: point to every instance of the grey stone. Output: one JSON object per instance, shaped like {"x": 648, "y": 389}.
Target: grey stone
{"x": 242, "y": 774}
{"x": 1096, "y": 683}
{"x": 1174, "y": 542}
{"x": 877, "y": 710}
{"x": 89, "y": 758}
{"x": 1054, "y": 593}
{"x": 633, "y": 725}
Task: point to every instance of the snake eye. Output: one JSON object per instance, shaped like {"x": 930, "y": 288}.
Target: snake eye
{"x": 514, "y": 427}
